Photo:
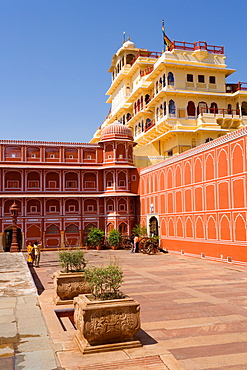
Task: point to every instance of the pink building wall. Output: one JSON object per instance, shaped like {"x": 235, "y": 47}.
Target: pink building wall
{"x": 199, "y": 199}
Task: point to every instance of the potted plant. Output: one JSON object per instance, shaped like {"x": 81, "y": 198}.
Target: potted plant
{"x": 106, "y": 319}
{"x": 95, "y": 237}
{"x": 70, "y": 282}
{"x": 114, "y": 238}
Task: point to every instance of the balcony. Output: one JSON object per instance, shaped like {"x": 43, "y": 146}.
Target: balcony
{"x": 194, "y": 46}
{"x": 146, "y": 54}
{"x": 240, "y": 86}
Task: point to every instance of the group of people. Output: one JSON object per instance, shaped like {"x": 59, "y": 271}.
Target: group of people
{"x": 33, "y": 253}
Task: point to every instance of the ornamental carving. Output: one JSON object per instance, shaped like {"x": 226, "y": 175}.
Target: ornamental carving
{"x": 68, "y": 286}
{"x": 103, "y": 322}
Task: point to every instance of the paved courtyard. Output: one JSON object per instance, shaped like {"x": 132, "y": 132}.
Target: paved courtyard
{"x": 193, "y": 313}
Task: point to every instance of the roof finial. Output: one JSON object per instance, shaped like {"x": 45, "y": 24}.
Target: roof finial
{"x": 128, "y": 38}
{"x": 124, "y": 33}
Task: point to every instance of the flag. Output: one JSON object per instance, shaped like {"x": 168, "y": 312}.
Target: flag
{"x": 167, "y": 41}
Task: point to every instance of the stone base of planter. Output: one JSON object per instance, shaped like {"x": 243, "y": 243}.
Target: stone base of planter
{"x": 67, "y": 286}
{"x": 106, "y": 325}
{"x": 85, "y": 347}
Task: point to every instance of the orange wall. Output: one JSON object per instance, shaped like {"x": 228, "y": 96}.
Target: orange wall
{"x": 199, "y": 198}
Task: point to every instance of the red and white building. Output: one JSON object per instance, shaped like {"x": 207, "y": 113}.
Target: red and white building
{"x": 63, "y": 189}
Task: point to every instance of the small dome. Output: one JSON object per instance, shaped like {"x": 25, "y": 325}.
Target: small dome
{"x": 116, "y": 131}
{"x": 128, "y": 44}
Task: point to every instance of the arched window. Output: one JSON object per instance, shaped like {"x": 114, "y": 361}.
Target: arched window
{"x": 135, "y": 108}
{"x": 191, "y": 109}
{"x": 244, "y": 108}
{"x": 164, "y": 80}
{"x": 214, "y": 108}
{"x": 72, "y": 229}
{"x": 123, "y": 228}
{"x": 229, "y": 109}
{"x": 128, "y": 116}
{"x": 172, "y": 108}
{"x": 157, "y": 113}
{"x": 147, "y": 98}
{"x": 161, "y": 110}
{"x": 160, "y": 83}
{"x": 157, "y": 87}
{"x": 170, "y": 78}
{"x": 52, "y": 229}
{"x": 202, "y": 108}
{"x": 164, "y": 108}
{"x": 237, "y": 109}
{"x": 208, "y": 140}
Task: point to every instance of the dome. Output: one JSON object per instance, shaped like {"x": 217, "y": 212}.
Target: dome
{"x": 128, "y": 44}
{"x": 116, "y": 131}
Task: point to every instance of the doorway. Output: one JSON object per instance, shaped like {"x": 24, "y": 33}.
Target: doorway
{"x": 153, "y": 226}
{"x": 7, "y": 238}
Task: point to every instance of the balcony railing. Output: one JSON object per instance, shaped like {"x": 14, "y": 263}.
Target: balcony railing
{"x": 149, "y": 125}
{"x": 146, "y": 54}
{"x": 199, "y": 45}
{"x": 232, "y": 88}
{"x": 146, "y": 71}
{"x": 220, "y": 111}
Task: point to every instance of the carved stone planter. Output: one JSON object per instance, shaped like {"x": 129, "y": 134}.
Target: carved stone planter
{"x": 106, "y": 325}
{"x": 68, "y": 285}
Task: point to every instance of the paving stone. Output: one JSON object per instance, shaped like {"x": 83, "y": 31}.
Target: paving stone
{"x": 36, "y": 360}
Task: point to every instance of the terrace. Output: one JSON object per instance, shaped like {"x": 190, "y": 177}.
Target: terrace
{"x": 194, "y": 46}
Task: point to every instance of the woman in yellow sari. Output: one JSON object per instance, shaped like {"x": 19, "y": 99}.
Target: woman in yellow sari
{"x": 30, "y": 253}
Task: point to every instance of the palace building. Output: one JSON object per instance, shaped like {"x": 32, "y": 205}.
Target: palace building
{"x": 175, "y": 100}
{"x": 63, "y": 189}
{"x": 174, "y": 116}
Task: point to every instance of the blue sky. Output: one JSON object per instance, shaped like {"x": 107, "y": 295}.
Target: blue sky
{"x": 55, "y": 54}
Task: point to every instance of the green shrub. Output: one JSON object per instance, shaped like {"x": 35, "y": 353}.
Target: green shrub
{"x": 139, "y": 230}
{"x": 95, "y": 236}
{"x": 72, "y": 260}
{"x": 105, "y": 282}
{"x": 114, "y": 237}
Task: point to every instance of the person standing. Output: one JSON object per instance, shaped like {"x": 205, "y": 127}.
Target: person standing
{"x": 37, "y": 247}
{"x": 30, "y": 254}
{"x": 136, "y": 242}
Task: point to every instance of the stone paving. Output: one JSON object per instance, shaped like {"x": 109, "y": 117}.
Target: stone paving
{"x": 193, "y": 315}
{"x": 24, "y": 339}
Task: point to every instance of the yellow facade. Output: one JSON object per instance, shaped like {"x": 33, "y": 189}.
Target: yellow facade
{"x": 175, "y": 100}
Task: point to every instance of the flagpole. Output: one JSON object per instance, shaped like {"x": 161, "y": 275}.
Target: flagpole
{"x": 163, "y": 31}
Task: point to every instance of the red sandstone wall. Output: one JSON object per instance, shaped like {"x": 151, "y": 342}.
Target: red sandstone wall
{"x": 199, "y": 198}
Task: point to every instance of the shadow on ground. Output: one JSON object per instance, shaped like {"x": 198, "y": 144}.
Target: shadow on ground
{"x": 37, "y": 282}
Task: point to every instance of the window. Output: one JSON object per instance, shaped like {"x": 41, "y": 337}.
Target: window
{"x": 201, "y": 78}
{"x": 110, "y": 207}
{"x": 121, "y": 207}
{"x": 52, "y": 209}
{"x": 12, "y": 155}
{"x": 189, "y": 78}
{"x": 212, "y": 79}
{"x": 33, "y": 184}
{"x": 13, "y": 184}
{"x": 90, "y": 208}
{"x": 120, "y": 156}
{"x": 33, "y": 209}
{"x": 52, "y": 184}
{"x": 208, "y": 140}
{"x": 89, "y": 184}
{"x": 52, "y": 156}
{"x": 89, "y": 157}
{"x": 109, "y": 184}
{"x": 71, "y": 156}
{"x": 133, "y": 178}
{"x": 109, "y": 156}
{"x": 71, "y": 208}
{"x": 70, "y": 184}
{"x": 121, "y": 182}
{"x": 33, "y": 155}
{"x": 170, "y": 78}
